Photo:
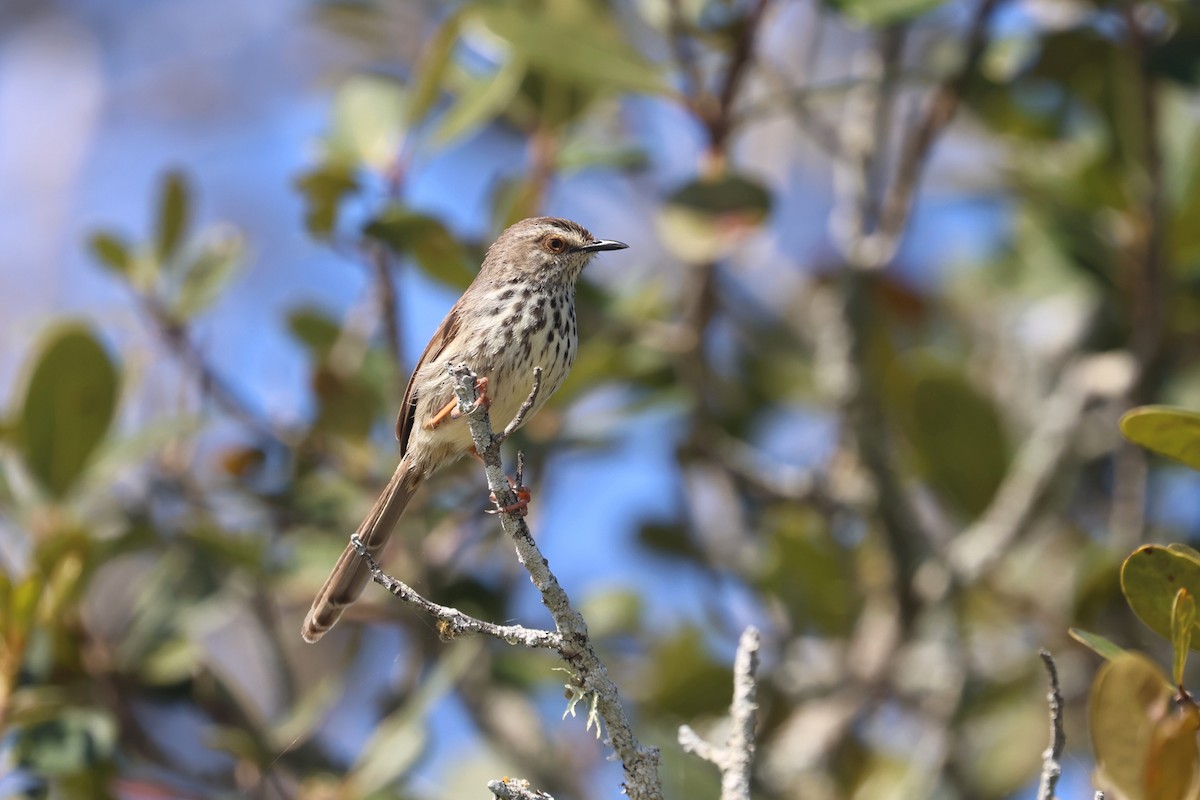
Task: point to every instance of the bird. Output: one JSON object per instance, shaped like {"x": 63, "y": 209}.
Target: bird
{"x": 517, "y": 314}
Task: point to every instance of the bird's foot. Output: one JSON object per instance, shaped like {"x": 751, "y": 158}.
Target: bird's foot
{"x": 450, "y": 410}
{"x": 520, "y": 508}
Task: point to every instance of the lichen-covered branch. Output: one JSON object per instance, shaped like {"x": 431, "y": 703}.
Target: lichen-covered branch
{"x": 453, "y": 623}
{"x": 736, "y": 757}
{"x": 588, "y": 671}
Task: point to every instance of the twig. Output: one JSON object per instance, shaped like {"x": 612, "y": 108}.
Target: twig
{"x": 735, "y": 759}
{"x": 515, "y": 789}
{"x": 452, "y": 623}
{"x": 1051, "y": 766}
{"x": 588, "y": 671}
{"x": 522, "y": 412}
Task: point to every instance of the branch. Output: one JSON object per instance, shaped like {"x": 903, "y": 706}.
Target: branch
{"x": 515, "y": 789}
{"x": 588, "y": 671}
{"x": 452, "y": 623}
{"x": 1051, "y": 766}
{"x": 735, "y": 759}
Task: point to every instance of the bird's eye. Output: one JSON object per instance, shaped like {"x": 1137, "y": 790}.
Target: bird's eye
{"x": 555, "y": 244}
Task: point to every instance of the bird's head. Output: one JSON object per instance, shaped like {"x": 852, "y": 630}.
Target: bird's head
{"x": 546, "y": 247}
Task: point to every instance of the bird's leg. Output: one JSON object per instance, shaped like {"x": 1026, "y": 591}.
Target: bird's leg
{"x": 450, "y": 410}
{"x": 519, "y": 508}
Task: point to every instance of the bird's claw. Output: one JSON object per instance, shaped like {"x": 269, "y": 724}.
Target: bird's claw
{"x": 481, "y": 399}
{"x": 520, "y": 508}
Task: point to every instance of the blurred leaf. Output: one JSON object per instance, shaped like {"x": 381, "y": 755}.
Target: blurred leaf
{"x": 324, "y": 188}
{"x": 803, "y": 568}
{"x": 612, "y": 612}
{"x": 551, "y": 41}
{"x": 314, "y": 328}
{"x": 348, "y": 406}
{"x": 205, "y": 276}
{"x": 481, "y": 101}
{"x": 78, "y": 739}
{"x": 1183, "y": 622}
{"x": 174, "y": 212}
{"x": 19, "y": 606}
{"x": 883, "y": 12}
{"x": 668, "y": 539}
{"x": 1097, "y": 644}
{"x": 1172, "y": 760}
{"x": 1178, "y": 58}
{"x": 426, "y": 239}
{"x": 112, "y": 252}
{"x": 368, "y": 123}
{"x": 705, "y": 219}
{"x": 1168, "y": 431}
{"x": 956, "y": 432}
{"x": 68, "y": 406}
{"x": 580, "y": 155}
{"x": 685, "y": 681}
{"x": 431, "y": 68}
{"x": 1129, "y": 695}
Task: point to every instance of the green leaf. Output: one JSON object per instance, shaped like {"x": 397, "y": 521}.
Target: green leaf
{"x": 427, "y": 240}
{"x": 76, "y": 740}
{"x": 1128, "y": 696}
{"x": 368, "y": 122}
{"x": 206, "y": 274}
{"x": 111, "y": 252}
{"x": 324, "y": 188}
{"x": 579, "y": 155}
{"x": 174, "y": 212}
{"x": 555, "y": 42}
{"x": 883, "y": 12}
{"x": 1097, "y": 643}
{"x": 1168, "y": 431}
{"x": 431, "y": 69}
{"x": 68, "y": 407}
{"x": 1151, "y": 578}
{"x": 1183, "y": 621}
{"x": 482, "y": 101}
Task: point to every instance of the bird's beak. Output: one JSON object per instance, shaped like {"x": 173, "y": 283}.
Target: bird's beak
{"x": 603, "y": 244}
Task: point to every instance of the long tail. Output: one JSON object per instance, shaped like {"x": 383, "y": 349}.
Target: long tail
{"x": 345, "y": 583}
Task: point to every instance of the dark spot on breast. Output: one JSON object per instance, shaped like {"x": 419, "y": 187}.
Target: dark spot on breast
{"x": 550, "y": 336}
{"x": 497, "y": 310}
{"x": 553, "y": 303}
{"x": 508, "y": 294}
{"x": 510, "y": 321}
{"x": 527, "y": 292}
{"x": 557, "y": 319}
{"x": 539, "y": 315}
{"x": 519, "y": 308}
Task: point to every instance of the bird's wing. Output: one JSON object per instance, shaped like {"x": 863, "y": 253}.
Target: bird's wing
{"x": 433, "y": 351}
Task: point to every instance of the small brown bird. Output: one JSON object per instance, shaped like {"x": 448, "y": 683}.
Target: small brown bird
{"x": 518, "y": 313}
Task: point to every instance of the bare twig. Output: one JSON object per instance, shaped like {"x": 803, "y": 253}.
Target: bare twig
{"x": 515, "y": 789}
{"x": 523, "y": 411}
{"x": 1051, "y": 766}
{"x": 588, "y": 671}
{"x": 452, "y": 623}
{"x": 735, "y": 759}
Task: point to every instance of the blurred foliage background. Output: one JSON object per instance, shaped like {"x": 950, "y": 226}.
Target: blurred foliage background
{"x": 897, "y": 267}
